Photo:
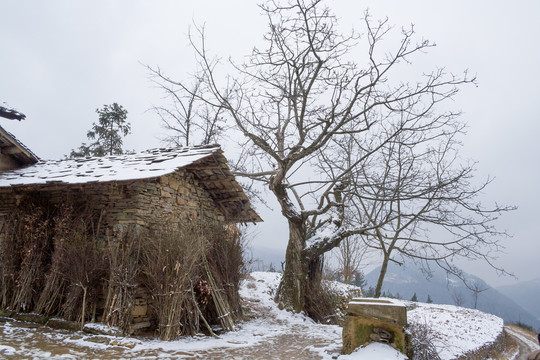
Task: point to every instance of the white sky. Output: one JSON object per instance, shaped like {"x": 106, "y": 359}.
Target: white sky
{"x": 61, "y": 60}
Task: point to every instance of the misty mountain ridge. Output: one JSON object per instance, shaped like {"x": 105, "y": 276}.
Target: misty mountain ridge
{"x": 526, "y": 294}
{"x": 408, "y": 280}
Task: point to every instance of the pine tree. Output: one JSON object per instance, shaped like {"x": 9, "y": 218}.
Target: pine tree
{"x": 429, "y": 300}
{"x": 359, "y": 280}
{"x": 370, "y": 292}
{"x": 112, "y": 126}
{"x": 414, "y": 298}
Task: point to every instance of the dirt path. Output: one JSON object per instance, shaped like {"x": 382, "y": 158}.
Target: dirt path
{"x": 268, "y": 334}
{"x": 527, "y": 343}
{"x": 23, "y": 341}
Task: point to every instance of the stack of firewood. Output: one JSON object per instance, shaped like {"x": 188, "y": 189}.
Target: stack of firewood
{"x": 381, "y": 335}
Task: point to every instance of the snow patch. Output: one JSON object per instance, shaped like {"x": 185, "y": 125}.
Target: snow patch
{"x": 457, "y": 330}
{"x": 7, "y": 350}
{"x": 375, "y": 351}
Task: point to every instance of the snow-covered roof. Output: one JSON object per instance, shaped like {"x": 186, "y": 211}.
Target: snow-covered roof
{"x": 147, "y": 164}
{"x": 12, "y": 114}
{"x": 206, "y": 163}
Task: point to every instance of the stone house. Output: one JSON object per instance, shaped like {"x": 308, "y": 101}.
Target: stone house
{"x": 136, "y": 189}
{"x": 126, "y": 191}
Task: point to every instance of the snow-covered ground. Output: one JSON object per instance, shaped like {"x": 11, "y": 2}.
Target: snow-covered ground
{"x": 269, "y": 333}
{"x": 456, "y": 330}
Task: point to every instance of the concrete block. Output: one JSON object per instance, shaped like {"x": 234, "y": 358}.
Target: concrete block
{"x": 375, "y": 319}
{"x": 357, "y": 332}
{"x": 381, "y": 309}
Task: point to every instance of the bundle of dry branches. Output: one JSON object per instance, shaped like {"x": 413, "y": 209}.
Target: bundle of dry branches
{"x": 123, "y": 260}
{"x": 24, "y": 248}
{"x": 54, "y": 263}
{"x": 170, "y": 262}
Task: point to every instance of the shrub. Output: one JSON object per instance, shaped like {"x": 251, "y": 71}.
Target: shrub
{"x": 423, "y": 341}
{"x": 321, "y": 302}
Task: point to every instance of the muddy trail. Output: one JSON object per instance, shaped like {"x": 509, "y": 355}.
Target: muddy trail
{"x": 527, "y": 342}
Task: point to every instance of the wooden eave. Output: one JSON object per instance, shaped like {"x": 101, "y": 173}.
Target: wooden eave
{"x": 216, "y": 178}
{"x": 11, "y": 147}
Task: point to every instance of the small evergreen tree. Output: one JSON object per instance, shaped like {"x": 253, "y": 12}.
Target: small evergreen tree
{"x": 112, "y": 126}
{"x": 429, "y": 300}
{"x": 414, "y": 298}
{"x": 370, "y": 292}
{"x": 359, "y": 280}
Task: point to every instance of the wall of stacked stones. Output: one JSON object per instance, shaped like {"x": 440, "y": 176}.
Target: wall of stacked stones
{"x": 105, "y": 200}
{"x": 119, "y": 205}
{"x": 175, "y": 196}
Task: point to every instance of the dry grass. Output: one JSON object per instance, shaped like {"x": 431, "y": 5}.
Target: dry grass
{"x": 423, "y": 341}
{"x": 52, "y": 264}
{"x": 123, "y": 255}
{"x": 24, "y": 252}
{"x": 192, "y": 272}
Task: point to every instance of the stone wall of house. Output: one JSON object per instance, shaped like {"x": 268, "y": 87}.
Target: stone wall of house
{"x": 174, "y": 196}
{"x": 118, "y": 205}
{"x": 106, "y": 200}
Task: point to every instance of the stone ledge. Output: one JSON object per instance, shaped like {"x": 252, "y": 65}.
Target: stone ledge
{"x": 62, "y": 324}
{"x": 31, "y": 317}
{"x": 381, "y": 309}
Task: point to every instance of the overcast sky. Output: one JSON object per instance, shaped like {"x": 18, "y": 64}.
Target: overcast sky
{"x": 60, "y": 60}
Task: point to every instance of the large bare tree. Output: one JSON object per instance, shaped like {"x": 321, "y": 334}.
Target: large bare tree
{"x": 315, "y": 114}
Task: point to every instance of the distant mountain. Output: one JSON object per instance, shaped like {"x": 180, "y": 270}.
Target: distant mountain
{"x": 265, "y": 259}
{"x": 405, "y": 281}
{"x": 526, "y": 294}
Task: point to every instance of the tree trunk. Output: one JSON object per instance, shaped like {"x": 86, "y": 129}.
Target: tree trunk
{"x": 314, "y": 307}
{"x": 292, "y": 290}
{"x": 382, "y": 274}
{"x": 346, "y": 253}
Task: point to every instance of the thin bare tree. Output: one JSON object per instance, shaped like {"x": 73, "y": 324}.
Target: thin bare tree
{"x": 349, "y": 255}
{"x": 420, "y": 199}
{"x": 476, "y": 288}
{"x": 458, "y": 297}
{"x": 186, "y": 119}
